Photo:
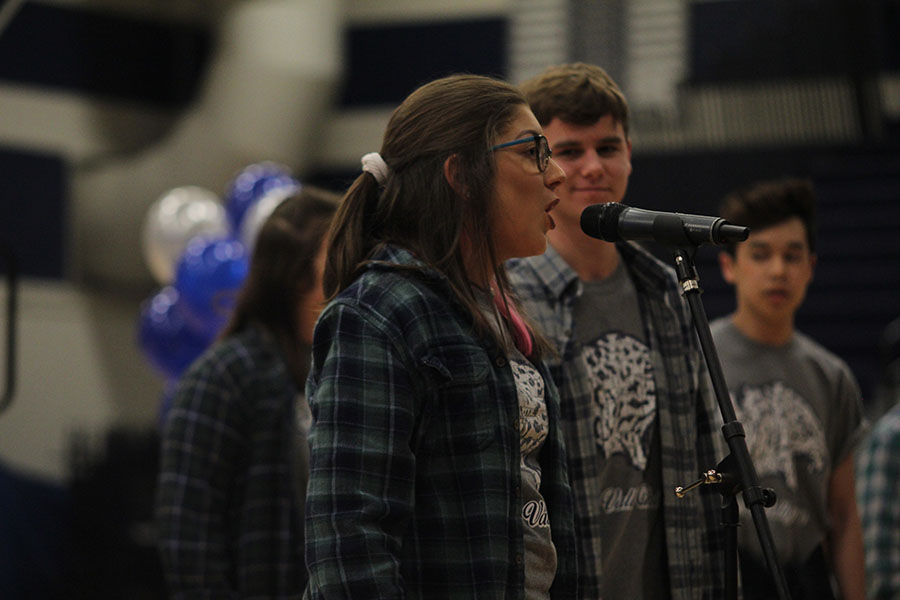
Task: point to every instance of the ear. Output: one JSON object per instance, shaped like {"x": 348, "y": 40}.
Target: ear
{"x": 628, "y": 154}
{"x": 726, "y": 264}
{"x": 451, "y": 170}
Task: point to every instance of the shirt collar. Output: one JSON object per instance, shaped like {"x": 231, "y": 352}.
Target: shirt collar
{"x": 650, "y": 275}
{"x": 551, "y": 269}
{"x": 392, "y": 257}
{"x": 558, "y": 278}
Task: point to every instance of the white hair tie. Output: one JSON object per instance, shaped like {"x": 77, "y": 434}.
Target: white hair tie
{"x": 374, "y": 164}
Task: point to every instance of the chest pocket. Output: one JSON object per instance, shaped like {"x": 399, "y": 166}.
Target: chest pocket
{"x": 461, "y": 416}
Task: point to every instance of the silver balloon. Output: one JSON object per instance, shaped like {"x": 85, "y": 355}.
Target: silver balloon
{"x": 173, "y": 220}
{"x": 260, "y": 210}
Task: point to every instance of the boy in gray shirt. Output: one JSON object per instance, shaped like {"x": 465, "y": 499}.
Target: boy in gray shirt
{"x": 799, "y": 403}
{"x": 636, "y": 411}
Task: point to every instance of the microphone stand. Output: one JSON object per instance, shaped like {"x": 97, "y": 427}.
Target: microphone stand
{"x": 736, "y": 472}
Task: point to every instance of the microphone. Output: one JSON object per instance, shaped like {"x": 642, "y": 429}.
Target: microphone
{"x": 614, "y": 221}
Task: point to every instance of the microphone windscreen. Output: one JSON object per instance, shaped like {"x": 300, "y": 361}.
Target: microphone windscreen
{"x": 602, "y": 220}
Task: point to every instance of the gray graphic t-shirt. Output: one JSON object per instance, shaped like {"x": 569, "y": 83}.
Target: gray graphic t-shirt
{"x": 800, "y": 407}
{"x": 611, "y": 336}
{"x": 533, "y": 422}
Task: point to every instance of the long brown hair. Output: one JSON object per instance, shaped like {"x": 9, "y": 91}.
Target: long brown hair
{"x": 282, "y": 272}
{"x": 417, "y": 208}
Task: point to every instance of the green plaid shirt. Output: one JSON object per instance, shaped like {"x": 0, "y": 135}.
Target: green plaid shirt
{"x": 548, "y": 288}
{"x": 415, "y": 481}
{"x": 229, "y": 504}
{"x": 877, "y": 492}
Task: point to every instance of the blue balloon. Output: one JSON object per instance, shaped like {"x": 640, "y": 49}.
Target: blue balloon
{"x": 251, "y": 184}
{"x": 165, "y": 334}
{"x": 209, "y": 277}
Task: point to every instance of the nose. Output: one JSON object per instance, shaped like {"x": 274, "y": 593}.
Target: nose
{"x": 592, "y": 165}
{"x": 778, "y": 266}
{"x": 553, "y": 175}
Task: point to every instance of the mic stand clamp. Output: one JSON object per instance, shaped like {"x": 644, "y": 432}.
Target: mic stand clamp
{"x": 723, "y": 476}
{"x": 735, "y": 473}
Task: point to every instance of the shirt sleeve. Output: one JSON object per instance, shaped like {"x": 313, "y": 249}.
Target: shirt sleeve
{"x": 850, "y": 424}
{"x": 362, "y": 471}
{"x": 201, "y": 443}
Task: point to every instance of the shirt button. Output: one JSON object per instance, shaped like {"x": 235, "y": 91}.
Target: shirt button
{"x": 518, "y": 559}
{"x": 517, "y": 491}
{"x": 516, "y": 424}
{"x": 500, "y": 361}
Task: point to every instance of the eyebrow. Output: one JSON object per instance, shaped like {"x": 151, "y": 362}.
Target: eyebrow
{"x": 612, "y": 139}
{"x": 791, "y": 245}
{"x": 527, "y": 133}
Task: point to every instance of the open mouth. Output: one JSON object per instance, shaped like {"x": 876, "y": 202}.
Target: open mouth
{"x": 547, "y": 212}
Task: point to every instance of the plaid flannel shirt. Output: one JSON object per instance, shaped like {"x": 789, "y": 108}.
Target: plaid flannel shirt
{"x": 548, "y": 289}
{"x": 878, "y": 490}
{"x": 229, "y": 511}
{"x": 415, "y": 463}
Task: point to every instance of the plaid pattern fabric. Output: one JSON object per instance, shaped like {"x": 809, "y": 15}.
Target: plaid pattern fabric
{"x": 548, "y": 289}
{"x": 229, "y": 520}
{"x": 415, "y": 481}
{"x": 877, "y": 493}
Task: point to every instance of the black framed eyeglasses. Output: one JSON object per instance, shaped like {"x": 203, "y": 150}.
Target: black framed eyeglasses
{"x": 542, "y": 153}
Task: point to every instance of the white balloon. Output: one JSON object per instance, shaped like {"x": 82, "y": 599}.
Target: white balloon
{"x": 260, "y": 210}
{"x": 173, "y": 220}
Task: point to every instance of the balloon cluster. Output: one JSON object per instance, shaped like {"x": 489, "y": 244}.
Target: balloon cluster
{"x": 197, "y": 248}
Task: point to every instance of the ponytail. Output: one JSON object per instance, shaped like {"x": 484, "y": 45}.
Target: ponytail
{"x": 352, "y": 236}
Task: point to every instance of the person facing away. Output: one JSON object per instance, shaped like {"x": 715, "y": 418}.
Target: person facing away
{"x": 877, "y": 490}
{"x": 799, "y": 404}
{"x": 437, "y": 464}
{"x": 636, "y": 409}
{"x": 878, "y": 477}
{"x": 234, "y": 457}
